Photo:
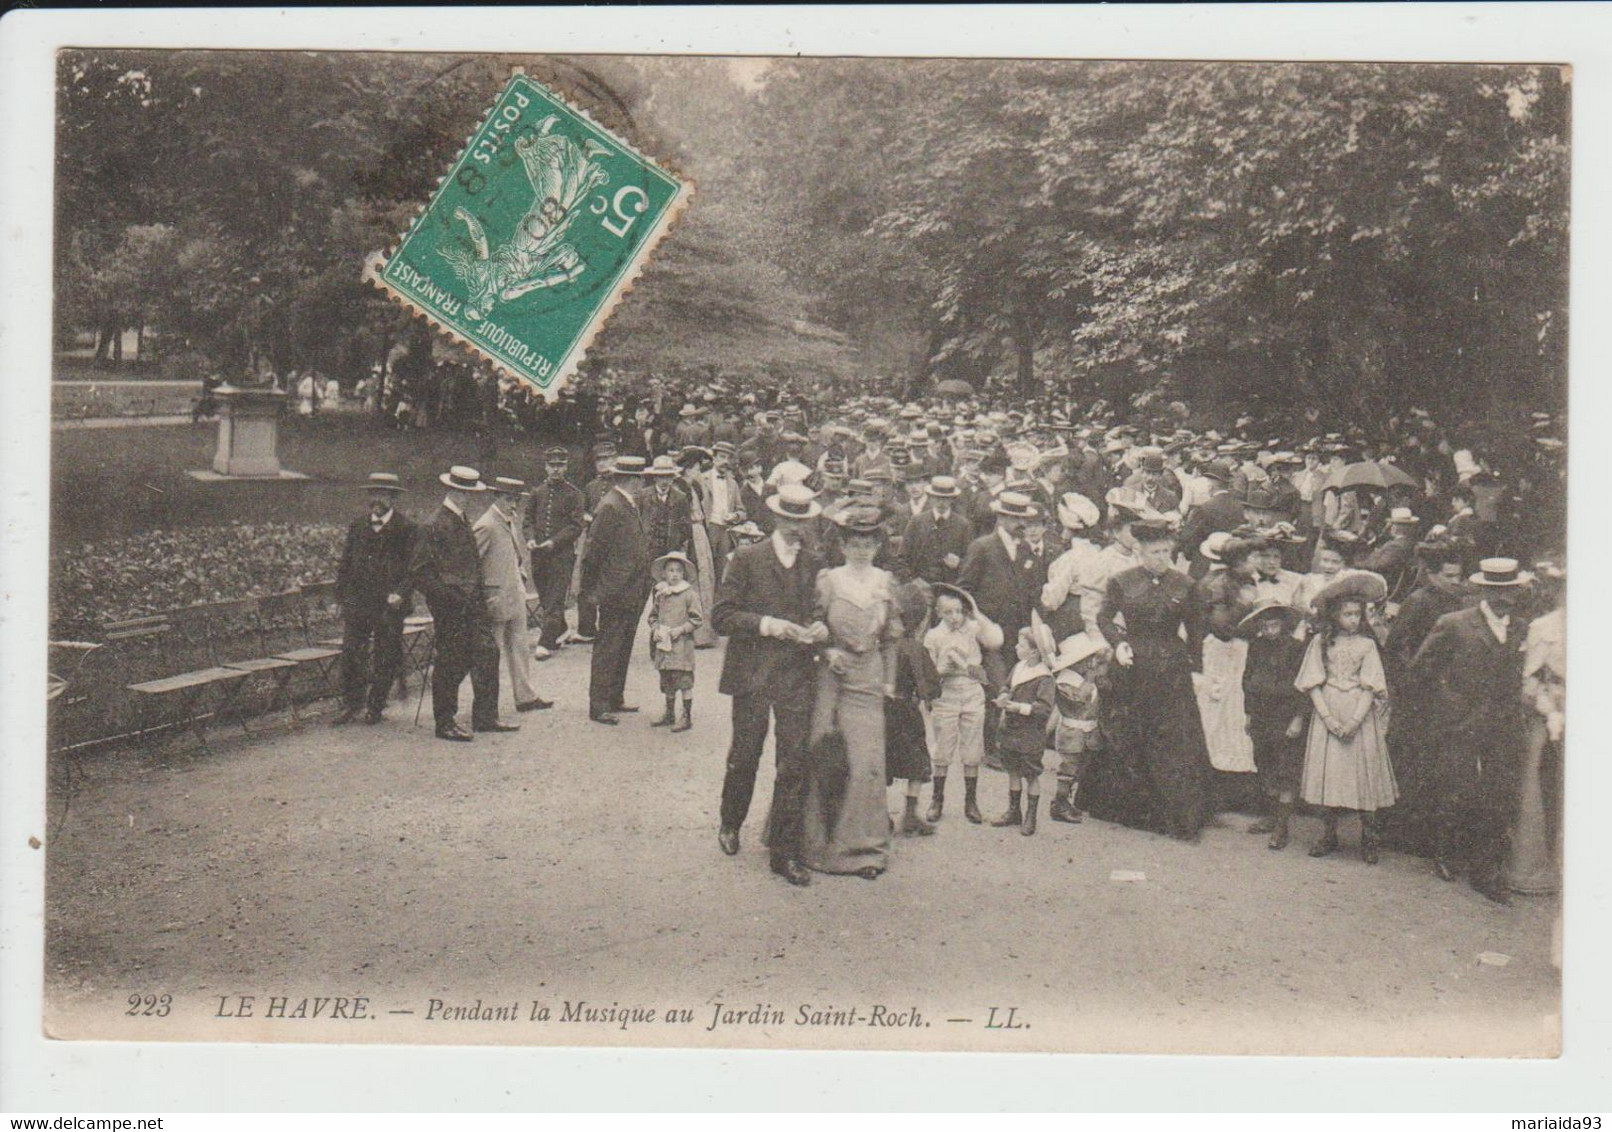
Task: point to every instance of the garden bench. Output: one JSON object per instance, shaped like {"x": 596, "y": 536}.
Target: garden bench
{"x": 288, "y": 612}
{"x": 229, "y": 625}
{"x": 175, "y": 637}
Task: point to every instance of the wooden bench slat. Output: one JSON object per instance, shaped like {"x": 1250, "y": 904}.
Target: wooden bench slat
{"x": 302, "y": 656}
{"x": 261, "y": 664}
{"x": 186, "y": 680}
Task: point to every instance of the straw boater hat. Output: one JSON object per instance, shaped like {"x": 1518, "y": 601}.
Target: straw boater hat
{"x": 1403, "y": 516}
{"x": 1500, "y": 573}
{"x": 662, "y": 467}
{"x": 723, "y": 448}
{"x": 794, "y": 501}
{"x": 943, "y": 487}
{"x": 627, "y": 466}
{"x": 506, "y": 486}
{"x": 1014, "y": 505}
{"x": 461, "y": 478}
{"x": 1076, "y": 512}
{"x": 657, "y": 568}
{"x": 383, "y": 481}
{"x": 1354, "y": 585}
{"x": 1289, "y": 615}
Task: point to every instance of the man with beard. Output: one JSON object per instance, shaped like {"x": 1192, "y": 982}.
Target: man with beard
{"x": 372, "y": 587}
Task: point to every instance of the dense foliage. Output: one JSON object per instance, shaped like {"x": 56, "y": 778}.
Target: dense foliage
{"x": 1353, "y": 239}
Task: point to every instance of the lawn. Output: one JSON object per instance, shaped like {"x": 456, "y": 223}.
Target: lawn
{"x": 111, "y": 483}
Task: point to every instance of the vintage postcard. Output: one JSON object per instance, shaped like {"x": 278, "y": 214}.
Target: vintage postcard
{"x": 1043, "y": 555}
{"x": 565, "y": 199}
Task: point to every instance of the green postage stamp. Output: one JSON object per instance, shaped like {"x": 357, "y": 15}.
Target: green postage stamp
{"x": 530, "y": 240}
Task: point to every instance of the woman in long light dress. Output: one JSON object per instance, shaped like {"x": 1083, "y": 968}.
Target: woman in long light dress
{"x": 1227, "y": 594}
{"x": 700, "y": 543}
{"x": 857, "y": 601}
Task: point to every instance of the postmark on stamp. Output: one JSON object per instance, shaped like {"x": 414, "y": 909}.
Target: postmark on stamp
{"x": 530, "y": 240}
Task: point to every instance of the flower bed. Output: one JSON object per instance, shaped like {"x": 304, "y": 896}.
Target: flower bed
{"x": 130, "y": 577}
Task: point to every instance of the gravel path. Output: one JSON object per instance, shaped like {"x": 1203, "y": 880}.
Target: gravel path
{"x": 572, "y": 863}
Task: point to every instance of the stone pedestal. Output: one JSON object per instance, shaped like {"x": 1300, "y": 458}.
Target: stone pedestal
{"x": 248, "y": 436}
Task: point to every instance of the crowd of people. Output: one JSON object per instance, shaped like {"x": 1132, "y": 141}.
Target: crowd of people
{"x": 1179, "y": 622}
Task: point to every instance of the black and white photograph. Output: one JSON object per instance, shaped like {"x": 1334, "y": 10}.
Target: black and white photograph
{"x": 1049, "y": 555}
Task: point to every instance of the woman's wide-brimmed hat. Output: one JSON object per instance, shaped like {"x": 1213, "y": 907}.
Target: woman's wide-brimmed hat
{"x": 1289, "y": 615}
{"x": 1077, "y": 648}
{"x": 1353, "y": 585}
{"x": 860, "y": 519}
{"x": 1211, "y": 547}
{"x": 1076, "y": 512}
{"x": 958, "y": 592}
{"x": 1500, "y": 573}
{"x": 1041, "y": 636}
{"x": 1014, "y": 505}
{"x": 657, "y": 568}
{"x": 794, "y": 501}
{"x": 383, "y": 481}
{"x": 461, "y": 478}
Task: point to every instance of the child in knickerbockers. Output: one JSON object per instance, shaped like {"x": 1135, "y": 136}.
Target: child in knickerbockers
{"x": 1081, "y": 663}
{"x": 956, "y": 643}
{"x": 1277, "y": 711}
{"x": 1026, "y": 708}
{"x": 675, "y": 612}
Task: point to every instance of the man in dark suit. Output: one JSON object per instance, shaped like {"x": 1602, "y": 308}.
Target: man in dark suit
{"x": 372, "y": 586}
{"x": 765, "y": 609}
{"x": 664, "y": 505}
{"x": 1223, "y": 511}
{"x": 604, "y": 458}
{"x": 553, "y": 525}
{"x": 997, "y": 571}
{"x": 615, "y": 577}
{"x": 446, "y": 568}
{"x": 933, "y": 545}
{"x": 1470, "y": 673}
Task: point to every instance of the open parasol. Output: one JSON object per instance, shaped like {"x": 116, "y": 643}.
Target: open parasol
{"x": 954, "y": 387}
{"x": 1371, "y": 473}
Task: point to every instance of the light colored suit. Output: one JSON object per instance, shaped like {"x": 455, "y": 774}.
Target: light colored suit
{"x": 505, "y": 581}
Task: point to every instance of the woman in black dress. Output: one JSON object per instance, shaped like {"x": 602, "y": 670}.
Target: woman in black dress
{"x": 1155, "y": 773}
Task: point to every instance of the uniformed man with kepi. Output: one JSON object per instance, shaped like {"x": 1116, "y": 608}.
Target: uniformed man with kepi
{"x": 372, "y": 587}
{"x": 553, "y": 525}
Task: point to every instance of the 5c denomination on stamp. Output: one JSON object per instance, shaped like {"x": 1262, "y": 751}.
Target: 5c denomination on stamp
{"x": 530, "y": 240}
